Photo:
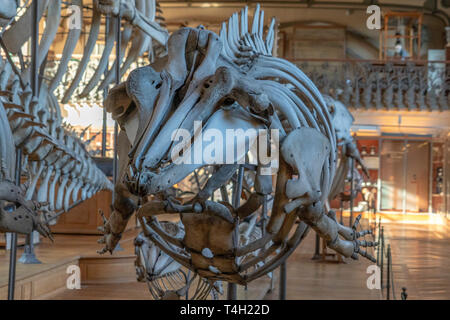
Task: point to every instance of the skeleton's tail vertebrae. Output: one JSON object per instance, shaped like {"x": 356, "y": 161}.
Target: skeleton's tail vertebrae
{"x": 54, "y": 158}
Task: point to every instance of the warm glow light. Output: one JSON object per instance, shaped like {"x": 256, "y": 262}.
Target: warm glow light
{"x": 408, "y": 218}
{"x": 86, "y": 115}
{"x": 365, "y": 130}
{"x": 209, "y": 5}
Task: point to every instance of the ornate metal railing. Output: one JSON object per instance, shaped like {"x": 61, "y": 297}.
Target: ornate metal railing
{"x": 366, "y": 85}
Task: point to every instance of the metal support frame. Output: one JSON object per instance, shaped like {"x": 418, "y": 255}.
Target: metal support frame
{"x": 264, "y": 215}
{"x": 13, "y": 249}
{"x": 12, "y": 266}
{"x": 28, "y": 256}
{"x": 378, "y": 205}
{"x": 224, "y": 194}
{"x": 430, "y": 177}
{"x": 34, "y": 50}
{"x": 283, "y": 278}
{"x": 118, "y": 60}
{"x": 352, "y": 168}
{"x": 446, "y": 177}
{"x": 18, "y": 169}
{"x": 232, "y": 287}
{"x": 116, "y": 126}
{"x": 316, "y": 255}
{"x": 41, "y": 72}
{"x": 378, "y": 248}
{"x": 263, "y": 220}
{"x": 382, "y": 257}
{"x": 105, "y": 93}
{"x": 18, "y": 164}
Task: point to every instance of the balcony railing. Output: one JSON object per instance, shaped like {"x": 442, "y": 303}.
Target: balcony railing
{"x": 375, "y": 85}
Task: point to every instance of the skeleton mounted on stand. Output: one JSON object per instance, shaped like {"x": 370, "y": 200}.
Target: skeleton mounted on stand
{"x": 60, "y": 170}
{"x": 226, "y": 82}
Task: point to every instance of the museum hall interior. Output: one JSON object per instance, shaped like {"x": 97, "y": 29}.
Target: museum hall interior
{"x": 224, "y": 150}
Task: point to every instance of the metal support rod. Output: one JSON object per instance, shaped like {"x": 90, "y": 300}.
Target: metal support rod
{"x": 232, "y": 291}
{"x": 283, "y": 277}
{"x": 342, "y": 212}
{"x": 446, "y": 174}
{"x": 375, "y": 219}
{"x": 316, "y": 255}
{"x": 13, "y": 249}
{"x": 115, "y": 162}
{"x": 379, "y": 241}
{"x": 41, "y": 72}
{"x": 34, "y": 50}
{"x": 263, "y": 220}
{"x": 104, "y": 131}
{"x": 105, "y": 93}
{"x": 28, "y": 256}
{"x": 116, "y": 126}
{"x": 21, "y": 60}
{"x": 405, "y": 174}
{"x": 352, "y": 167}
{"x": 430, "y": 178}
{"x": 224, "y": 194}
{"x": 382, "y": 257}
{"x": 12, "y": 266}
{"x": 238, "y": 187}
{"x": 264, "y": 215}
{"x": 232, "y": 288}
{"x": 378, "y": 205}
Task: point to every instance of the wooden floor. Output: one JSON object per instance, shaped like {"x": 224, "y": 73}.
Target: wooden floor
{"x": 317, "y": 280}
{"x": 421, "y": 255}
{"x": 138, "y": 291}
{"x": 307, "y": 279}
{"x": 64, "y": 249}
{"x": 421, "y": 262}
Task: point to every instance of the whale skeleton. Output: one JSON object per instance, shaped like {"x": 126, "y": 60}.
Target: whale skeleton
{"x": 234, "y": 38}
{"x": 227, "y": 81}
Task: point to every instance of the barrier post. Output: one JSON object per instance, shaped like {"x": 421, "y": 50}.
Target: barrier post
{"x": 388, "y": 285}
